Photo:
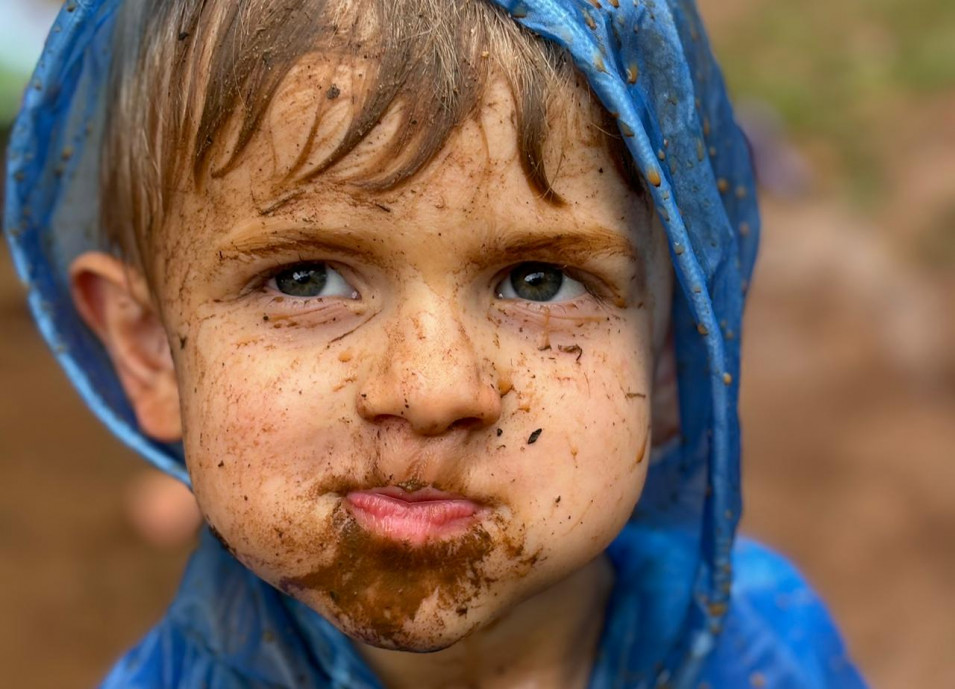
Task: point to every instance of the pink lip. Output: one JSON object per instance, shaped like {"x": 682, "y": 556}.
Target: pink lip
{"x": 415, "y": 518}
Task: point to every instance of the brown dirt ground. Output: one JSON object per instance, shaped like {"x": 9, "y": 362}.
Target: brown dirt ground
{"x": 849, "y": 441}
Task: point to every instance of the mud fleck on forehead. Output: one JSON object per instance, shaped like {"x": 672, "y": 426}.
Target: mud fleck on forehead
{"x": 378, "y": 585}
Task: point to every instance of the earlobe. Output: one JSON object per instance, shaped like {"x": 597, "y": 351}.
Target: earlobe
{"x": 113, "y": 300}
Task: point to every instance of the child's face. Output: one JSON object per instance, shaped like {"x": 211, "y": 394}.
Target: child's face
{"x": 413, "y": 409}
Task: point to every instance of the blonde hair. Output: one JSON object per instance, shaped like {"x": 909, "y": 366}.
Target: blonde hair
{"x": 183, "y": 71}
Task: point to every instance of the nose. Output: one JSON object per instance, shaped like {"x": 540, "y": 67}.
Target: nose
{"x": 430, "y": 375}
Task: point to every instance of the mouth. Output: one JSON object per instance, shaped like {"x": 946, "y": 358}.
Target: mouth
{"x": 413, "y": 517}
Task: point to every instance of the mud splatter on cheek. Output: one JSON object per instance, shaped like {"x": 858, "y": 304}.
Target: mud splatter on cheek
{"x": 504, "y": 382}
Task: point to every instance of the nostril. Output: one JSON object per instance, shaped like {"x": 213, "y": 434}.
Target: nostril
{"x": 469, "y": 424}
{"x": 386, "y": 419}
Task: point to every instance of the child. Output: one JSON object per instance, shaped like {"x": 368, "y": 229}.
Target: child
{"x": 395, "y": 283}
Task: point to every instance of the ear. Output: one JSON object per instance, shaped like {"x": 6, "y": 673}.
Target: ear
{"x": 113, "y": 300}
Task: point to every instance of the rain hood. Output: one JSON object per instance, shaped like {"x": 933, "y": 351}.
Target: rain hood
{"x": 691, "y": 604}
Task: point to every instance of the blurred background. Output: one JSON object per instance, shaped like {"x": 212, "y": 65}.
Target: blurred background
{"x": 849, "y": 364}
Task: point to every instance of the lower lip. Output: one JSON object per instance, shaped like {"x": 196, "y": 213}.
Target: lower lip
{"x": 413, "y": 518}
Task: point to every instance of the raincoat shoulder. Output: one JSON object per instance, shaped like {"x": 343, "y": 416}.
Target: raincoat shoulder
{"x": 778, "y": 633}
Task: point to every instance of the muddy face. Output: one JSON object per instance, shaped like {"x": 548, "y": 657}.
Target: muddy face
{"x": 457, "y": 334}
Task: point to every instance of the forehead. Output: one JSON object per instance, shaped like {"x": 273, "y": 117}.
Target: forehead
{"x": 476, "y": 179}
{"x": 327, "y": 98}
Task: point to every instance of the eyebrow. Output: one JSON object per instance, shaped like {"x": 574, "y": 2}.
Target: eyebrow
{"x": 290, "y": 241}
{"x": 577, "y": 247}
{"x": 564, "y": 247}
{"x": 567, "y": 247}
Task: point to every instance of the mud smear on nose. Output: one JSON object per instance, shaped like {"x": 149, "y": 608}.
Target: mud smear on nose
{"x": 379, "y": 585}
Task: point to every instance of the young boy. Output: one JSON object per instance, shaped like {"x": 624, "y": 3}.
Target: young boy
{"x": 394, "y": 282}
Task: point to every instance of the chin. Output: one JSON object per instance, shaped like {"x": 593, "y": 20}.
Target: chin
{"x": 411, "y": 639}
{"x": 429, "y": 629}
{"x": 422, "y": 598}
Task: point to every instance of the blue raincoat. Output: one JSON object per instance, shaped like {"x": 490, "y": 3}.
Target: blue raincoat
{"x": 691, "y": 606}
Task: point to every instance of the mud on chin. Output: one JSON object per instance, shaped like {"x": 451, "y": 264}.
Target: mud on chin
{"x": 398, "y": 596}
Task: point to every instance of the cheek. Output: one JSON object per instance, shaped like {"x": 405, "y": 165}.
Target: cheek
{"x": 262, "y": 426}
{"x": 589, "y": 396}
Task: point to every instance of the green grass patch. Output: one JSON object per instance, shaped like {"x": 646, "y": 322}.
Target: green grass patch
{"x": 11, "y": 93}
{"x": 826, "y": 65}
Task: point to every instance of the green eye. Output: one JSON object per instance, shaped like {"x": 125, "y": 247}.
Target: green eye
{"x": 540, "y": 282}
{"x": 536, "y": 282}
{"x": 311, "y": 280}
{"x": 302, "y": 281}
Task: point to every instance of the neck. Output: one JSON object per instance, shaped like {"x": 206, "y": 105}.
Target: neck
{"x": 548, "y": 641}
